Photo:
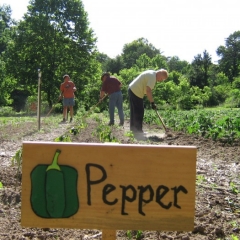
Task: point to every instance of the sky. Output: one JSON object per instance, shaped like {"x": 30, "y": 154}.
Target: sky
{"x": 183, "y": 28}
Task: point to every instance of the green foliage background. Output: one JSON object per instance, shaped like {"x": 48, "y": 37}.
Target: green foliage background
{"x": 55, "y": 36}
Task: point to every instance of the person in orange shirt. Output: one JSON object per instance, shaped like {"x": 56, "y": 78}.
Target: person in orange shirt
{"x": 67, "y": 89}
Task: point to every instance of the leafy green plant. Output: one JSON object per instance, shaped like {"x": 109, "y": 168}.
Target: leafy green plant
{"x": 214, "y": 185}
{"x": 218, "y": 124}
{"x": 138, "y": 234}
{"x": 233, "y": 237}
{"x": 233, "y": 188}
{"x": 200, "y": 179}
{"x": 234, "y": 224}
{"x": 63, "y": 138}
{"x": 130, "y": 135}
{"x": 17, "y": 159}
{"x": 1, "y": 185}
{"x": 96, "y": 117}
{"x": 104, "y": 133}
{"x": 6, "y": 111}
{"x": 78, "y": 128}
{"x": 150, "y": 117}
{"x": 129, "y": 234}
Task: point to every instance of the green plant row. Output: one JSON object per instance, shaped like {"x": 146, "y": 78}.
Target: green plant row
{"x": 223, "y": 124}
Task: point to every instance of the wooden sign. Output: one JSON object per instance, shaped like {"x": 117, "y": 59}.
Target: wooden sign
{"x": 108, "y": 186}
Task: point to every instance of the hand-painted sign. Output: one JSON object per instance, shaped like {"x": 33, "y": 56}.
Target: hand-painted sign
{"x": 105, "y": 186}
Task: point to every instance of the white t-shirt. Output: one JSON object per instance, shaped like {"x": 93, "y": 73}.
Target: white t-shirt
{"x": 139, "y": 84}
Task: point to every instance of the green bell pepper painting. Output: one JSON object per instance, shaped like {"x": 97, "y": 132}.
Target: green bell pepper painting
{"x": 54, "y": 190}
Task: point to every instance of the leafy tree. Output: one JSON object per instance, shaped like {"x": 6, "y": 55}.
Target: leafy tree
{"x": 143, "y": 62}
{"x": 5, "y": 24}
{"x": 175, "y": 64}
{"x": 184, "y": 100}
{"x": 159, "y": 61}
{"x": 221, "y": 79}
{"x": 236, "y": 83}
{"x": 6, "y": 83}
{"x": 103, "y": 59}
{"x": 207, "y": 93}
{"x": 196, "y": 95}
{"x": 54, "y": 37}
{"x": 219, "y": 94}
{"x": 174, "y": 76}
{"x": 6, "y": 86}
{"x": 199, "y": 72}
{"x": 167, "y": 92}
{"x": 5, "y": 16}
{"x": 230, "y": 56}
{"x": 132, "y": 51}
{"x": 234, "y": 98}
{"x": 114, "y": 65}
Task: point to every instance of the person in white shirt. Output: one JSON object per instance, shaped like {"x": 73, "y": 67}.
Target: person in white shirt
{"x": 140, "y": 86}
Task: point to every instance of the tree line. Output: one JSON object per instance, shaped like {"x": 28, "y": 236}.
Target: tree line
{"x": 55, "y": 36}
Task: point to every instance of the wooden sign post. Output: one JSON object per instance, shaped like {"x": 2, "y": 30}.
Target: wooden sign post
{"x": 109, "y": 187}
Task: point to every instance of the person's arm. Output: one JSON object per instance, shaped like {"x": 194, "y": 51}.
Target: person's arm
{"x": 149, "y": 94}
{"x": 74, "y": 88}
{"x": 102, "y": 94}
{"x": 150, "y": 98}
{"x": 61, "y": 93}
{"x": 120, "y": 84}
{"x": 103, "y": 90}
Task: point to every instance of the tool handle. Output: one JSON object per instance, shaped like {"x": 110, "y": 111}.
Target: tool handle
{"x": 161, "y": 121}
{"x": 95, "y": 106}
{"x": 52, "y": 107}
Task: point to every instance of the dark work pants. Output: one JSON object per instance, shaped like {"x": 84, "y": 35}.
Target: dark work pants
{"x": 136, "y": 112}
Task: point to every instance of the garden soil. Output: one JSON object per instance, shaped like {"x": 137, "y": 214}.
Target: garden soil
{"x": 217, "y": 206}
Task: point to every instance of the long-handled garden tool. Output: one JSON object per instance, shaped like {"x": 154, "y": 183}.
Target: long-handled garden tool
{"x": 76, "y": 130}
{"x": 52, "y": 107}
{"x": 167, "y": 131}
{"x": 93, "y": 107}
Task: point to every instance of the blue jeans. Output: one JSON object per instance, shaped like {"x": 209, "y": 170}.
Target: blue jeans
{"x": 116, "y": 100}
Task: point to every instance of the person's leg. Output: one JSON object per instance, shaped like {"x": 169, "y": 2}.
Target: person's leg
{"x": 112, "y": 100}
{"x": 64, "y": 113}
{"x": 119, "y": 104}
{"x": 71, "y": 111}
{"x": 131, "y": 109}
{"x": 64, "y": 109}
{"x": 137, "y": 112}
{"x": 71, "y": 104}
